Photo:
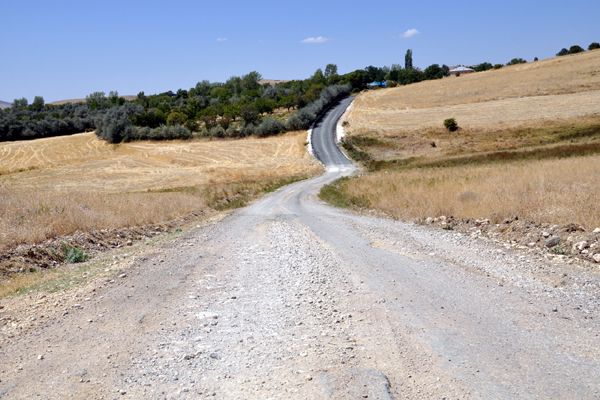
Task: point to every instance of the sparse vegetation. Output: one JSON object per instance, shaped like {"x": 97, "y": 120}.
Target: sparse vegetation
{"x": 73, "y": 254}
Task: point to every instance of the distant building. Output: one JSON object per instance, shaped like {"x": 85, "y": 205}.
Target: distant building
{"x": 460, "y": 70}
{"x": 377, "y": 84}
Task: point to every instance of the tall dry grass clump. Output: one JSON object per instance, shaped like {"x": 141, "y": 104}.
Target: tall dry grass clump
{"x": 27, "y": 218}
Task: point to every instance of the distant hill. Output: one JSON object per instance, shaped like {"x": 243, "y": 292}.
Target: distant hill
{"x": 271, "y": 82}
{"x": 4, "y": 104}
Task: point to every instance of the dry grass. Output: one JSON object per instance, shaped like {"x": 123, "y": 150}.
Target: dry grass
{"x": 52, "y": 187}
{"x": 556, "y": 191}
{"x": 563, "y": 75}
{"x": 558, "y": 89}
{"x": 518, "y": 125}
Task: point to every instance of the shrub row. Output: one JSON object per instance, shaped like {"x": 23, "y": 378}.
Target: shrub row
{"x": 306, "y": 116}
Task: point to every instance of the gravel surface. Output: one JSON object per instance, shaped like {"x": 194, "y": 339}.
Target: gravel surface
{"x": 292, "y": 299}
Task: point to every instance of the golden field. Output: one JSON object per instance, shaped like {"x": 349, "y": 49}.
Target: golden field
{"x": 559, "y": 191}
{"x": 577, "y": 76}
{"x": 509, "y": 108}
{"x": 518, "y": 126}
{"x": 56, "y": 186}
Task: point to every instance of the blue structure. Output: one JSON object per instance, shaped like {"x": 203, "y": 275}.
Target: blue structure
{"x": 376, "y": 84}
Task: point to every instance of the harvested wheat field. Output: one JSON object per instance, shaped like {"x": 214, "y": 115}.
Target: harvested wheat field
{"x": 557, "y": 89}
{"x": 56, "y": 186}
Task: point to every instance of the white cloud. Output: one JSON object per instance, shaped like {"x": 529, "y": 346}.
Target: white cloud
{"x": 221, "y": 39}
{"x": 315, "y": 40}
{"x": 410, "y": 33}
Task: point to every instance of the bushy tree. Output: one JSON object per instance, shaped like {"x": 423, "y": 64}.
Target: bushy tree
{"x": 594, "y": 46}
{"x": 250, "y": 114}
{"x": 97, "y": 101}
{"x": 37, "y": 104}
{"x": 434, "y": 71}
{"x": 20, "y": 103}
{"x": 562, "y": 52}
{"x": 269, "y": 127}
{"x": 516, "y": 61}
{"x": 576, "y": 49}
{"x": 116, "y": 125}
{"x": 331, "y": 71}
{"x": 484, "y": 66}
{"x": 176, "y": 118}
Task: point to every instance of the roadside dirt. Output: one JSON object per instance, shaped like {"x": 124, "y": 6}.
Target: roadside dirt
{"x": 290, "y": 299}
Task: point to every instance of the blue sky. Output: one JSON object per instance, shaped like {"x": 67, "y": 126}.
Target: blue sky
{"x": 66, "y": 49}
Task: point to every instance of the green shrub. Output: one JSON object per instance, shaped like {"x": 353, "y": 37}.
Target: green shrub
{"x": 576, "y": 49}
{"x": 594, "y": 46}
{"x": 73, "y": 254}
{"x": 269, "y": 127}
{"x": 451, "y": 124}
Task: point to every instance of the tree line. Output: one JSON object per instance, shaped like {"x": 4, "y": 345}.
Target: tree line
{"x": 241, "y": 106}
{"x": 575, "y": 49}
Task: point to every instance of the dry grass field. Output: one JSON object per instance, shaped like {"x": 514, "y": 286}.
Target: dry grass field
{"x": 495, "y": 109}
{"x": 559, "y": 191}
{"x": 508, "y": 159}
{"x": 56, "y": 186}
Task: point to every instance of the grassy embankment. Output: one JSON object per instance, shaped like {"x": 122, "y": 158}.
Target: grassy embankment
{"x": 529, "y": 146}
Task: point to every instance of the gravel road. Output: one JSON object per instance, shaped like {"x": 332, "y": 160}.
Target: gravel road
{"x": 292, "y": 299}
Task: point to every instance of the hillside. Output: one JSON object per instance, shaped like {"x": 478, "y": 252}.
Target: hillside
{"x": 526, "y": 156}
{"x": 517, "y": 106}
{"x": 4, "y": 104}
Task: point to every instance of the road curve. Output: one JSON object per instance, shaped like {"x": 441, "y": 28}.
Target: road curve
{"x": 292, "y": 299}
{"x": 324, "y": 137}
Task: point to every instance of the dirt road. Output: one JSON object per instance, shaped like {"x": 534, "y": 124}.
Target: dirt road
{"x": 292, "y": 299}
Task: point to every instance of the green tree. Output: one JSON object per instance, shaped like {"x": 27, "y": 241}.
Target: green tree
{"x": 576, "y": 49}
{"x": 97, "y": 101}
{"x": 516, "y": 61}
{"x": 408, "y": 59}
{"x": 20, "y": 103}
{"x": 176, "y": 118}
{"x": 484, "y": 66}
{"x": 38, "y": 103}
{"x": 249, "y": 114}
{"x": 562, "y": 52}
{"x": 250, "y": 81}
{"x": 434, "y": 71}
{"x": 331, "y": 70}
{"x": 318, "y": 77}
{"x": 594, "y": 46}
{"x": 114, "y": 99}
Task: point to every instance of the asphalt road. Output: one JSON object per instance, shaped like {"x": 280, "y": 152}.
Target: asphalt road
{"x": 292, "y": 299}
{"x": 324, "y": 138}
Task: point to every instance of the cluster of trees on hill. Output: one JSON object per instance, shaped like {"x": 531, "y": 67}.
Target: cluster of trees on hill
{"x": 575, "y": 49}
{"x": 239, "y": 107}
{"x": 37, "y": 120}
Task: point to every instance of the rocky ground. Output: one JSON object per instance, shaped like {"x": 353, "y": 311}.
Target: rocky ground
{"x": 564, "y": 242}
{"x": 292, "y": 299}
